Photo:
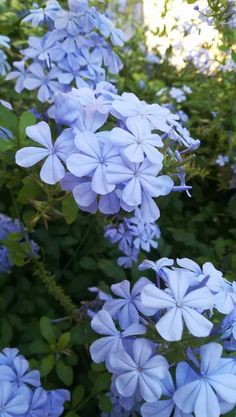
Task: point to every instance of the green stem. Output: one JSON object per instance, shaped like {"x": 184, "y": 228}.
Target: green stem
{"x": 86, "y": 400}
{"x": 53, "y": 288}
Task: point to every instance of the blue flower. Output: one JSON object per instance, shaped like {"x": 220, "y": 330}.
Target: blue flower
{"x": 46, "y": 81}
{"x": 37, "y": 403}
{"x": 95, "y": 159}
{"x": 128, "y": 306}
{"x": 142, "y": 371}
{"x": 158, "y": 266}
{"x": 165, "y": 407}
{"x": 55, "y": 402}
{"x": 114, "y": 339}
{"x": 141, "y": 184}
{"x": 182, "y": 306}
{"x": 128, "y": 105}
{"x": 177, "y": 94}
{"x": 7, "y": 225}
{"x": 52, "y": 170}
{"x": 130, "y": 257}
{"x": 20, "y": 74}
{"x": 138, "y": 142}
{"x": 8, "y": 355}
{"x": 215, "y": 381}
{"x": 5, "y": 41}
{"x": 133, "y": 234}
{"x": 19, "y": 374}
{"x": 12, "y": 403}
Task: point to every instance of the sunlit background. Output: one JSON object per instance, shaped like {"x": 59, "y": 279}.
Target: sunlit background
{"x": 177, "y": 20}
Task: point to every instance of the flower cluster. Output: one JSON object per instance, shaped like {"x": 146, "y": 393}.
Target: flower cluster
{"x": 4, "y": 65}
{"x": 226, "y": 9}
{"x": 74, "y": 51}
{"x": 113, "y": 168}
{"x": 8, "y": 226}
{"x": 133, "y": 235}
{"x": 21, "y": 393}
{"x": 138, "y": 328}
{"x": 178, "y": 94}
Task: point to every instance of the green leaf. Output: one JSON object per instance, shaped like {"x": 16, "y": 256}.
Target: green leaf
{"x": 6, "y": 145}
{"x": 69, "y": 209}
{"x": 88, "y": 263}
{"x": 47, "y": 365}
{"x": 47, "y": 330}
{"x": 29, "y": 191}
{"x": 8, "y": 120}
{"x": 78, "y": 395}
{"x": 64, "y": 372}
{"x": 105, "y": 404}
{"x": 98, "y": 367}
{"x": 16, "y": 251}
{"x": 64, "y": 340}
{"x": 39, "y": 346}
{"x": 26, "y": 119}
{"x": 102, "y": 383}
{"x": 112, "y": 270}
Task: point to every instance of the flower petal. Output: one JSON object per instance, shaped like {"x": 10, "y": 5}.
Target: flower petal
{"x": 196, "y": 323}
{"x": 52, "y": 170}
{"x": 40, "y": 133}
{"x": 27, "y": 157}
{"x": 170, "y": 326}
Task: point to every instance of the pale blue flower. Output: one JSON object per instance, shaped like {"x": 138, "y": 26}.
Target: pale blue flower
{"x": 128, "y": 105}
{"x": 182, "y": 306}
{"x": 20, "y": 75}
{"x": 55, "y": 402}
{"x": 141, "y": 183}
{"x": 215, "y": 381}
{"x": 114, "y": 339}
{"x": 95, "y": 159}
{"x": 222, "y": 160}
{"x": 19, "y": 374}
{"x": 158, "y": 266}
{"x": 91, "y": 63}
{"x": 129, "y": 258}
{"x": 142, "y": 370}
{"x": 107, "y": 29}
{"x": 43, "y": 49}
{"x": 37, "y": 401}
{"x": 12, "y": 403}
{"x": 52, "y": 170}
{"x": 133, "y": 234}
{"x": 68, "y": 21}
{"x": 165, "y": 407}
{"x": 177, "y": 94}
{"x": 45, "y": 81}
{"x": 5, "y": 41}
{"x": 138, "y": 141}
{"x": 35, "y": 17}
{"x": 128, "y": 306}
{"x": 8, "y": 355}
